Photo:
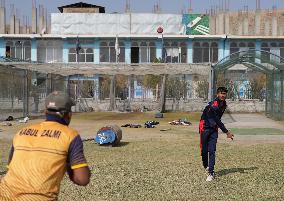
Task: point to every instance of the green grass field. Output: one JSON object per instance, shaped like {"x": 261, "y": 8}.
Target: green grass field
{"x": 168, "y": 166}
{"x": 171, "y": 170}
{"x": 257, "y": 131}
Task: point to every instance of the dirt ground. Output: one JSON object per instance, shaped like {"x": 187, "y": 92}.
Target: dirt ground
{"x": 89, "y": 123}
{"x": 253, "y": 121}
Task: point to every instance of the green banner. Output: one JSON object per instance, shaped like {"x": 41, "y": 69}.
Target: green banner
{"x": 195, "y": 24}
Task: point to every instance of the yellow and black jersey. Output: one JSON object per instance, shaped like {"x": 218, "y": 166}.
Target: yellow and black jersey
{"x": 38, "y": 160}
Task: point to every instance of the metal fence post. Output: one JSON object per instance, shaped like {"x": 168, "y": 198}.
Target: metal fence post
{"x": 26, "y": 95}
{"x": 282, "y": 95}
{"x": 272, "y": 94}
{"x": 266, "y": 94}
{"x": 211, "y": 83}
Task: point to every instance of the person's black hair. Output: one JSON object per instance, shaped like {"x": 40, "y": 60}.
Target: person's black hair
{"x": 222, "y": 89}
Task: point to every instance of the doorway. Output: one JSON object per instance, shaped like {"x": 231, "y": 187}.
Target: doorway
{"x": 135, "y": 55}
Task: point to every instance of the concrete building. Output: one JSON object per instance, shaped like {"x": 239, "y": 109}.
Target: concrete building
{"x": 187, "y": 39}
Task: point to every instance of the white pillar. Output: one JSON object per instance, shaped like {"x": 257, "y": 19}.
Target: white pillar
{"x": 2, "y": 21}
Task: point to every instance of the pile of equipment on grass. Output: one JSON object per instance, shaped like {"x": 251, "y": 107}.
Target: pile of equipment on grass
{"x": 109, "y": 135}
{"x": 132, "y": 125}
{"x": 183, "y": 122}
{"x": 25, "y": 120}
{"x": 10, "y": 118}
{"x": 151, "y": 124}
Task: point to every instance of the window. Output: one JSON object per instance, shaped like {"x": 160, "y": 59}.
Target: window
{"x": 9, "y": 46}
{"x": 172, "y": 52}
{"x": 86, "y": 55}
{"x": 205, "y": 48}
{"x": 72, "y": 55}
{"x": 265, "y": 56}
{"x": 112, "y": 52}
{"x": 237, "y": 48}
{"x": 233, "y": 50}
{"x": 27, "y": 50}
{"x": 282, "y": 54}
{"x": 273, "y": 45}
{"x": 50, "y": 51}
{"x": 121, "y": 52}
{"x": 152, "y": 50}
{"x": 281, "y": 45}
{"x": 197, "y": 53}
{"x": 214, "y": 52}
{"x": 104, "y": 52}
{"x": 251, "y": 46}
{"x": 18, "y": 49}
{"x": 205, "y": 52}
{"x": 89, "y": 55}
{"x": 175, "y": 52}
{"x": 143, "y": 52}
{"x": 242, "y": 45}
{"x": 108, "y": 52}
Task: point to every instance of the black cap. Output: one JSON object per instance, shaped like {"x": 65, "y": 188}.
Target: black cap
{"x": 222, "y": 89}
{"x": 59, "y": 101}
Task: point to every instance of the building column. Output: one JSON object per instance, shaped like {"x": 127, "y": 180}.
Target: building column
{"x": 220, "y": 49}
{"x": 223, "y": 48}
{"x": 190, "y": 51}
{"x": 227, "y": 47}
{"x": 65, "y": 50}
{"x": 127, "y": 51}
{"x": 97, "y": 51}
{"x": 34, "y": 50}
{"x": 2, "y": 47}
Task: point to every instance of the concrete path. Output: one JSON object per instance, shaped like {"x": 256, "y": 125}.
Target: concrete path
{"x": 251, "y": 121}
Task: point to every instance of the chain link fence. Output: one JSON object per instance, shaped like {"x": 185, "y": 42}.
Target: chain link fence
{"x": 23, "y": 92}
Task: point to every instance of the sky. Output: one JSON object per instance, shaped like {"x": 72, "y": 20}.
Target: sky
{"x": 167, "y": 6}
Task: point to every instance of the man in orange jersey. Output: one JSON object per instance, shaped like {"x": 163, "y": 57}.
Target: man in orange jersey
{"x": 42, "y": 153}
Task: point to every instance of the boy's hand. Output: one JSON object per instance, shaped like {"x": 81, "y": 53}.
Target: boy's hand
{"x": 230, "y": 135}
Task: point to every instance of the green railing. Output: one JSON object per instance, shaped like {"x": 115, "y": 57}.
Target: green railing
{"x": 265, "y": 62}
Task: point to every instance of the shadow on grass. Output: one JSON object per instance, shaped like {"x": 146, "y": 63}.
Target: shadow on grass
{"x": 235, "y": 170}
{"x": 122, "y": 144}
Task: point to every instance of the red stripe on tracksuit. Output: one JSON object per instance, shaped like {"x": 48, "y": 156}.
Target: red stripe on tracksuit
{"x": 201, "y": 130}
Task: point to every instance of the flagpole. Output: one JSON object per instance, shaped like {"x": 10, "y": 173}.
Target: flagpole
{"x": 78, "y": 48}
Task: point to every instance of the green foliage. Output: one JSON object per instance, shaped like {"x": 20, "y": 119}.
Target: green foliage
{"x": 158, "y": 60}
{"x": 151, "y": 81}
{"x": 176, "y": 87}
{"x": 202, "y": 89}
{"x": 257, "y": 85}
{"x": 120, "y": 86}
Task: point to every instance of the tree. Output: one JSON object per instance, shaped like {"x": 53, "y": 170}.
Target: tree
{"x": 257, "y": 85}
{"x": 202, "y": 89}
{"x": 176, "y": 87}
